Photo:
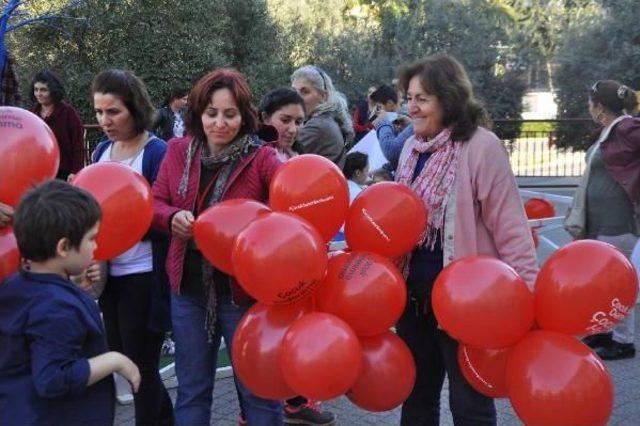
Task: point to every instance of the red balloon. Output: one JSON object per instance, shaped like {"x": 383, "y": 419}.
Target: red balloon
{"x": 9, "y": 253}
{"x": 539, "y": 208}
{"x": 127, "y": 205}
{"x": 585, "y": 287}
{"x": 313, "y": 188}
{"x": 388, "y": 373}
{"x": 29, "y": 152}
{"x": 554, "y": 379}
{"x": 256, "y": 347}
{"x": 321, "y": 357}
{"x": 279, "y": 258}
{"x": 216, "y": 229}
{"x": 482, "y": 302}
{"x": 365, "y": 290}
{"x": 386, "y": 218}
{"x": 485, "y": 369}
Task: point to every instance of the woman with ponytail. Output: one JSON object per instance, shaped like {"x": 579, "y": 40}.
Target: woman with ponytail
{"x": 328, "y": 127}
{"x": 608, "y": 195}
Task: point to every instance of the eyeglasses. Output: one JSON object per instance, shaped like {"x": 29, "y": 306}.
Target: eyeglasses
{"x": 621, "y": 92}
{"x": 324, "y": 81}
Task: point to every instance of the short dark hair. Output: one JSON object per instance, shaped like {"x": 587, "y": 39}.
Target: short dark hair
{"x": 131, "y": 90}
{"x": 353, "y": 162}
{"x": 384, "y": 94}
{"x": 614, "y": 96}
{"x": 200, "y": 96}
{"x": 56, "y": 89}
{"x": 278, "y": 98}
{"x": 50, "y": 212}
{"x": 176, "y": 92}
{"x": 444, "y": 77}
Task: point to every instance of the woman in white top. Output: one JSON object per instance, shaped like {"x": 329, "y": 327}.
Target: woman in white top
{"x": 135, "y": 302}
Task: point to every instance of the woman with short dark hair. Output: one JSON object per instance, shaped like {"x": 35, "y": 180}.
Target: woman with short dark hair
{"x": 135, "y": 301}
{"x": 47, "y": 95}
{"x": 168, "y": 122}
{"x": 220, "y": 159}
{"x": 456, "y": 167}
{"x": 284, "y": 110}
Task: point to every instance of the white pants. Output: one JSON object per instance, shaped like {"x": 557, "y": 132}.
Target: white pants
{"x": 629, "y": 245}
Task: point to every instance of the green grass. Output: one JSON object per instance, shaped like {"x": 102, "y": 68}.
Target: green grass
{"x": 542, "y": 126}
{"x": 223, "y": 359}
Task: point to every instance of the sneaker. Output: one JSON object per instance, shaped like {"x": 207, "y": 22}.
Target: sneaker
{"x": 598, "y": 340}
{"x": 309, "y": 414}
{"x": 615, "y": 350}
{"x": 168, "y": 347}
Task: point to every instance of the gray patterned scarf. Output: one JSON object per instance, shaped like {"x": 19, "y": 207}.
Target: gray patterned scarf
{"x": 222, "y": 165}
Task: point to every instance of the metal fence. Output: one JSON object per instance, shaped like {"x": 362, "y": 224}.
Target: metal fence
{"x": 536, "y": 147}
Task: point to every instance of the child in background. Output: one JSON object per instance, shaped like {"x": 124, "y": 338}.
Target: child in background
{"x": 54, "y": 364}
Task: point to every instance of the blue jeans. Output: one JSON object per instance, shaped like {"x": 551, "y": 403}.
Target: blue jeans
{"x": 196, "y": 364}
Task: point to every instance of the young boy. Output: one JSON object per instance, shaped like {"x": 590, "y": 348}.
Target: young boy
{"x": 54, "y": 364}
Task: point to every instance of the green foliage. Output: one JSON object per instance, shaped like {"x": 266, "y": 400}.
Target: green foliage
{"x": 358, "y": 42}
{"x": 602, "y": 41}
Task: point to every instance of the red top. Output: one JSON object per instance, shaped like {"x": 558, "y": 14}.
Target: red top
{"x": 250, "y": 179}
{"x": 621, "y": 156}
{"x": 66, "y": 125}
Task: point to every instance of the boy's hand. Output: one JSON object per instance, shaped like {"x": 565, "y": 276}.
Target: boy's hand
{"x": 6, "y": 213}
{"x": 182, "y": 224}
{"x": 94, "y": 273}
{"x": 128, "y": 370}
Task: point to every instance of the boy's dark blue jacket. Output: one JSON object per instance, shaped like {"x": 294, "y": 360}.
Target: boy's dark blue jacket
{"x": 48, "y": 330}
{"x": 160, "y": 303}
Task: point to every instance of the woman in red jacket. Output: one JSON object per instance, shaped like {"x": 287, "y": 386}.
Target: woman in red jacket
{"x": 220, "y": 159}
{"x": 47, "y": 94}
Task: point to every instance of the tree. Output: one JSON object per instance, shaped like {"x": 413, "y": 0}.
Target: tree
{"x": 602, "y": 41}
{"x": 16, "y": 14}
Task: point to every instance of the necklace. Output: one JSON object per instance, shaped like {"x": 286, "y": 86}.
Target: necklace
{"x": 129, "y": 161}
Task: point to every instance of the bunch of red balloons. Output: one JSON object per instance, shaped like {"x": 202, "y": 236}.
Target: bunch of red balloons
{"x": 524, "y": 345}
{"x": 30, "y": 155}
{"x": 321, "y": 325}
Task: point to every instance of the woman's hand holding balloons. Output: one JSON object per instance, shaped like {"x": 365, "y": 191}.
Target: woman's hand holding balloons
{"x": 6, "y": 213}
{"x": 182, "y": 224}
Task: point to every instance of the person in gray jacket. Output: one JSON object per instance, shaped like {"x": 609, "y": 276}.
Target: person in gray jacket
{"x": 329, "y": 127}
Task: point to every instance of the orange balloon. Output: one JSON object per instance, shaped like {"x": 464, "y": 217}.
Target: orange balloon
{"x": 388, "y": 373}
{"x": 539, "y": 208}
{"x": 29, "y": 153}
{"x": 321, "y": 357}
{"x": 554, "y": 379}
{"x": 127, "y": 205}
{"x": 482, "y": 302}
{"x": 313, "y": 188}
{"x": 256, "y": 347}
{"x": 216, "y": 229}
{"x": 386, "y": 218}
{"x": 365, "y": 290}
{"x": 279, "y": 258}
{"x": 585, "y": 287}
{"x": 9, "y": 253}
{"x": 485, "y": 369}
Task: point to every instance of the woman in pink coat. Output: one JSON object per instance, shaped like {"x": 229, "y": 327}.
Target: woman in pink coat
{"x": 461, "y": 171}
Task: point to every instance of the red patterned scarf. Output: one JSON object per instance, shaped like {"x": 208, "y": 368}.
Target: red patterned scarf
{"x": 435, "y": 182}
